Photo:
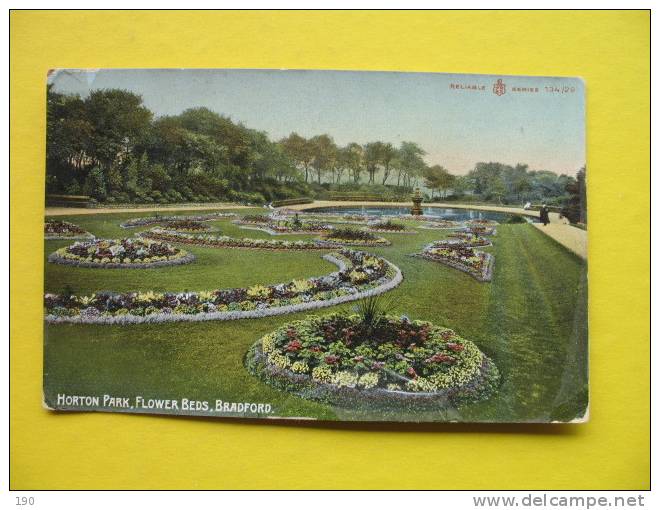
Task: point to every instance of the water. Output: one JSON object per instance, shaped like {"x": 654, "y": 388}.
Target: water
{"x": 445, "y": 213}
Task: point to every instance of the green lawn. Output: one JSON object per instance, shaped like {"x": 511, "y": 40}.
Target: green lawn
{"x": 531, "y": 320}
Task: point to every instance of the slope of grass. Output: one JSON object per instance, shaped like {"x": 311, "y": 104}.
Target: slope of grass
{"x": 531, "y": 320}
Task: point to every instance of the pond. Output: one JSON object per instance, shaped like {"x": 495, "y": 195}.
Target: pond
{"x": 446, "y": 213}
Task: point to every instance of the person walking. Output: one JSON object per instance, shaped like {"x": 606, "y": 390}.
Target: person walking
{"x": 544, "y": 215}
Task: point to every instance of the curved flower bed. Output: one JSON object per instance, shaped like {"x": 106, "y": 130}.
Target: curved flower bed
{"x": 393, "y": 362}
{"x": 161, "y": 220}
{"x": 389, "y": 227}
{"x": 477, "y": 264}
{"x": 441, "y": 225}
{"x": 481, "y": 231}
{"x": 214, "y": 241}
{"x": 352, "y": 237}
{"x": 55, "y": 229}
{"x": 482, "y": 223}
{"x": 434, "y": 220}
{"x": 188, "y": 226}
{"x": 360, "y": 275}
{"x": 280, "y": 225}
{"x": 468, "y": 239}
{"x": 120, "y": 253}
{"x": 348, "y": 218}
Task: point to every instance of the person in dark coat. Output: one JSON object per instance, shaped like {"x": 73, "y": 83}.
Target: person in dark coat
{"x": 544, "y": 215}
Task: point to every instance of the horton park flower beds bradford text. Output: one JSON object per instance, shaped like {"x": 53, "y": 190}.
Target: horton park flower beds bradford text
{"x": 373, "y": 361}
{"x": 120, "y": 253}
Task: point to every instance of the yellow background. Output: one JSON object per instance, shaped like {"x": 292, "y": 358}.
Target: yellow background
{"x": 610, "y": 50}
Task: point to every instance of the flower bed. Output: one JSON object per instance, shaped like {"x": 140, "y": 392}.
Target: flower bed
{"x": 481, "y": 231}
{"x": 348, "y": 218}
{"x": 389, "y": 227}
{"x": 360, "y": 275}
{"x": 352, "y": 237}
{"x": 389, "y": 362}
{"x": 477, "y": 264}
{"x": 55, "y": 229}
{"x": 434, "y": 221}
{"x": 278, "y": 225}
{"x": 162, "y": 220}
{"x": 468, "y": 239}
{"x": 120, "y": 253}
{"x": 441, "y": 225}
{"x": 187, "y": 226}
{"x": 214, "y": 241}
{"x": 482, "y": 223}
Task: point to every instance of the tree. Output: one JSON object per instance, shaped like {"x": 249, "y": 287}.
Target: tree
{"x": 438, "y": 178}
{"x": 372, "y": 158}
{"x": 95, "y": 184}
{"x": 325, "y": 154}
{"x": 576, "y": 208}
{"x": 300, "y": 151}
{"x": 118, "y": 120}
{"x": 410, "y": 163}
{"x": 387, "y": 154}
{"x": 354, "y": 154}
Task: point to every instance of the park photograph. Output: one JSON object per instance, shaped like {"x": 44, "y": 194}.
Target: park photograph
{"x": 316, "y": 245}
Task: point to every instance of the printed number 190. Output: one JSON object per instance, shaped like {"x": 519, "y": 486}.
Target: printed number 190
{"x": 24, "y": 501}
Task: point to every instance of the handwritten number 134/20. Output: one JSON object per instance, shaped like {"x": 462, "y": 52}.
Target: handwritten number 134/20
{"x": 24, "y": 501}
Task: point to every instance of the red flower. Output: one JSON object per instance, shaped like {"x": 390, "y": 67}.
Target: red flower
{"x": 293, "y": 345}
{"x": 455, "y": 347}
{"x": 331, "y": 359}
{"x": 446, "y": 335}
{"x": 411, "y": 372}
{"x": 439, "y": 358}
{"x": 315, "y": 348}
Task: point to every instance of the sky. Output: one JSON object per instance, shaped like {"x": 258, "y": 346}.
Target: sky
{"x": 458, "y": 119}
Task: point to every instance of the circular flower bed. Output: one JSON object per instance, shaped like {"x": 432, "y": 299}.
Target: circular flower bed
{"x": 164, "y": 220}
{"x": 55, "y": 229}
{"x": 360, "y": 275}
{"x": 353, "y": 237}
{"x": 475, "y": 263}
{"x": 120, "y": 253}
{"x": 378, "y": 361}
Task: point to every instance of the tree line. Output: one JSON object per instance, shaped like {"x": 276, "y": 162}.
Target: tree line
{"x": 110, "y": 146}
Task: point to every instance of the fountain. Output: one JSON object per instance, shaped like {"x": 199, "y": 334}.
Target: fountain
{"x": 417, "y": 201}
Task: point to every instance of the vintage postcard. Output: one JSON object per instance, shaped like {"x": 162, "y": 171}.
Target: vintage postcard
{"x": 327, "y": 245}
